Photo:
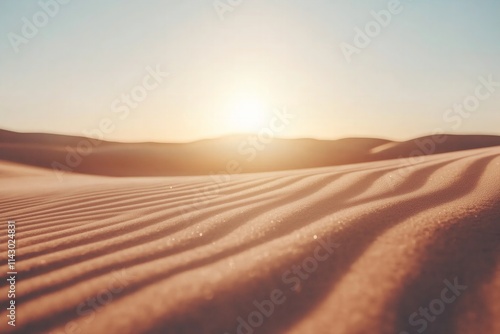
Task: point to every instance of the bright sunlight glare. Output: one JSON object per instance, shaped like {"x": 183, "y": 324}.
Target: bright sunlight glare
{"x": 248, "y": 114}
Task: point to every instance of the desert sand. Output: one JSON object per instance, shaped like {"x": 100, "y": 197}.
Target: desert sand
{"x": 355, "y": 248}
{"x": 250, "y": 153}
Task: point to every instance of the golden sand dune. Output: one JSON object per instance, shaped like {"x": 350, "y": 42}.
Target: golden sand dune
{"x": 375, "y": 247}
{"x": 245, "y": 153}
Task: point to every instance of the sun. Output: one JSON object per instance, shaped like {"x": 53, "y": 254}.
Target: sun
{"x": 247, "y": 114}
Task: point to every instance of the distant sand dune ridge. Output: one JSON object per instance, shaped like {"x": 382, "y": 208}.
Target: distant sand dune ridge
{"x": 65, "y": 154}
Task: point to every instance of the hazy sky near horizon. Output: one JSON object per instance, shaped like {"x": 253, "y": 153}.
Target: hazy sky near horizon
{"x": 225, "y": 75}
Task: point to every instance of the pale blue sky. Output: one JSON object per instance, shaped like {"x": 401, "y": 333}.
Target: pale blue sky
{"x": 272, "y": 52}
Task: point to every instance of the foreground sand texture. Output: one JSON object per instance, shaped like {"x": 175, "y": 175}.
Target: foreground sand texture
{"x": 190, "y": 254}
